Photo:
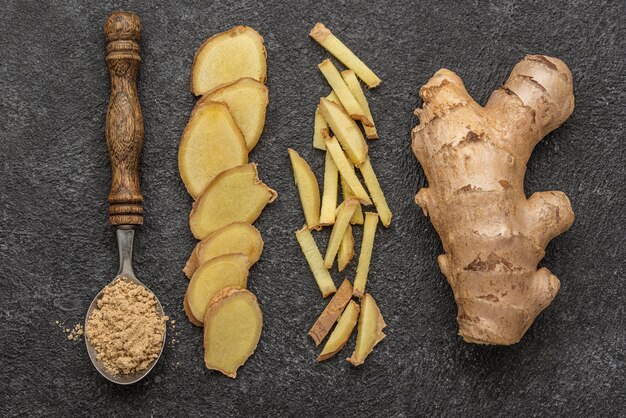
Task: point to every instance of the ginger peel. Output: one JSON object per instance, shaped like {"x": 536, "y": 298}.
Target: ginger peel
{"x": 474, "y": 159}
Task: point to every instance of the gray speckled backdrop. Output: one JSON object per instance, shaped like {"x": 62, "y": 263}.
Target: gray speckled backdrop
{"x": 56, "y": 250}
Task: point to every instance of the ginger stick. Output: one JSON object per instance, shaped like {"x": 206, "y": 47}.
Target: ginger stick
{"x": 346, "y": 130}
{"x": 316, "y": 262}
{"x": 367, "y": 244}
{"x": 339, "y": 229}
{"x": 318, "y": 125}
{"x": 341, "y": 334}
{"x": 357, "y": 218}
{"x": 329, "y": 316}
{"x": 346, "y": 249}
{"x": 346, "y": 170}
{"x": 376, "y": 192}
{"x": 342, "y": 91}
{"x": 308, "y": 189}
{"x": 326, "y": 39}
{"x": 355, "y": 88}
{"x": 329, "y": 197}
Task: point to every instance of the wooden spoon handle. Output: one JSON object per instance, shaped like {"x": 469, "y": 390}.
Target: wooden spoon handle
{"x": 124, "y": 123}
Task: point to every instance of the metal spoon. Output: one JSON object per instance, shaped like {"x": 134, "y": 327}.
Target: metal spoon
{"x": 124, "y": 135}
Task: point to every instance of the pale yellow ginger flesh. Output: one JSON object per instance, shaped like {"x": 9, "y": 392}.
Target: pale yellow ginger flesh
{"x": 474, "y": 159}
{"x": 343, "y": 93}
{"x": 340, "y": 335}
{"x": 235, "y": 195}
{"x": 226, "y": 57}
{"x": 371, "y": 182}
{"x": 211, "y": 143}
{"x": 333, "y": 310}
{"x": 247, "y": 101}
{"x": 355, "y": 88}
{"x": 346, "y": 169}
{"x": 346, "y": 131}
{"x": 326, "y": 39}
{"x": 346, "y": 249}
{"x": 232, "y": 329}
{"x": 365, "y": 256}
{"x": 331, "y": 188}
{"x": 235, "y": 238}
{"x": 230, "y": 270}
{"x": 339, "y": 229}
{"x": 369, "y": 331}
{"x": 318, "y": 125}
{"x": 192, "y": 262}
{"x": 347, "y": 193}
{"x": 316, "y": 262}
{"x": 332, "y": 96}
{"x": 308, "y": 189}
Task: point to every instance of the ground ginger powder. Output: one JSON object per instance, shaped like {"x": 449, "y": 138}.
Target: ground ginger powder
{"x": 125, "y": 328}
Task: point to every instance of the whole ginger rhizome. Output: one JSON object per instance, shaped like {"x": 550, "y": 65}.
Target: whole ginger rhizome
{"x": 474, "y": 158}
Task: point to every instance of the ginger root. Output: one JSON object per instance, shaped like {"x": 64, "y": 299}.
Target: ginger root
{"x": 474, "y": 159}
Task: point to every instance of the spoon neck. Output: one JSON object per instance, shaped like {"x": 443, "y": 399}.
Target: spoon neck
{"x": 125, "y": 238}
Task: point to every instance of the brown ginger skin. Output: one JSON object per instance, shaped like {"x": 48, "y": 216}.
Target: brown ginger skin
{"x": 475, "y": 159}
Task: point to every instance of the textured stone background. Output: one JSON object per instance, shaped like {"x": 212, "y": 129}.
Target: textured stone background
{"x": 56, "y": 250}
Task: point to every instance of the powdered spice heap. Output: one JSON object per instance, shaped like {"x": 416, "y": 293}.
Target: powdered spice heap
{"x": 125, "y": 329}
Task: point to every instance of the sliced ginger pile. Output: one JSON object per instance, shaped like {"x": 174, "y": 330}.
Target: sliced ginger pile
{"x": 337, "y": 131}
{"x": 228, "y": 72}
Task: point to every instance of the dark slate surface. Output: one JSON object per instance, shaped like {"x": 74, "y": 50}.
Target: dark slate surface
{"x": 57, "y": 250}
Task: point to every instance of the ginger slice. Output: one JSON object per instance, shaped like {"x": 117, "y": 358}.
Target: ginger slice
{"x": 340, "y": 335}
{"x": 211, "y": 143}
{"x": 331, "y": 186}
{"x": 346, "y": 248}
{"x": 333, "y": 310}
{"x": 235, "y": 195}
{"x": 318, "y": 125}
{"x": 247, "y": 101}
{"x": 371, "y": 182}
{"x": 226, "y": 57}
{"x": 339, "y": 229}
{"x": 316, "y": 262}
{"x": 370, "y": 330}
{"x": 235, "y": 238}
{"x": 346, "y": 169}
{"x": 326, "y": 39}
{"x": 345, "y": 96}
{"x": 308, "y": 189}
{"x": 367, "y": 244}
{"x": 230, "y": 270}
{"x": 355, "y": 88}
{"x": 346, "y": 131}
{"x": 347, "y": 193}
{"x": 232, "y": 328}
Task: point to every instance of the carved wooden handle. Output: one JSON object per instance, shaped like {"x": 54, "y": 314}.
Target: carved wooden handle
{"x": 124, "y": 123}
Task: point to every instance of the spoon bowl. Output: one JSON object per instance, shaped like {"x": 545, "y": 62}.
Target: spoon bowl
{"x": 125, "y": 237}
